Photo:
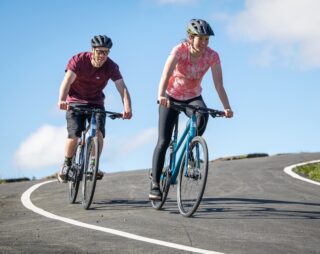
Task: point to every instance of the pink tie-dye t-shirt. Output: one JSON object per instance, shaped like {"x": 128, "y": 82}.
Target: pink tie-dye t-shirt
{"x": 185, "y": 81}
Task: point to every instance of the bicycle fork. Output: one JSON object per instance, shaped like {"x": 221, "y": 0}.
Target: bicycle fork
{"x": 191, "y": 135}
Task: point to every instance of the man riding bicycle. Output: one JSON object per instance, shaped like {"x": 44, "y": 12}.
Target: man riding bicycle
{"x": 87, "y": 74}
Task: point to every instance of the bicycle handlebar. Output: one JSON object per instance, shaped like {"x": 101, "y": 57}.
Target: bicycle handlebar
{"x": 88, "y": 110}
{"x": 182, "y": 106}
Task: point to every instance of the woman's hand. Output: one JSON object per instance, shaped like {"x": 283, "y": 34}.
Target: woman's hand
{"x": 163, "y": 101}
{"x": 127, "y": 114}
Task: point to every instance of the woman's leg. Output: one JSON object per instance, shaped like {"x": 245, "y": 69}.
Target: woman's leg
{"x": 167, "y": 118}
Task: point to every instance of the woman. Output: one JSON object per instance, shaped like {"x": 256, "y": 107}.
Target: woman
{"x": 181, "y": 81}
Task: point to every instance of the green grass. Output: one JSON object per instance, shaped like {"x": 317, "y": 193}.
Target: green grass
{"x": 311, "y": 171}
{"x": 12, "y": 180}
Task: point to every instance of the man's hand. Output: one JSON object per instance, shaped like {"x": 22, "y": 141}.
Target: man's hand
{"x": 63, "y": 105}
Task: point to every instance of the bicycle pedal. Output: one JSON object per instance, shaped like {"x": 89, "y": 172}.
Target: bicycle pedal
{"x": 71, "y": 175}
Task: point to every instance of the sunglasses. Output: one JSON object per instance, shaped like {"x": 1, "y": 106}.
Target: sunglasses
{"x": 102, "y": 52}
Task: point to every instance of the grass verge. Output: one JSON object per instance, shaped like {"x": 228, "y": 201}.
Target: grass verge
{"x": 311, "y": 171}
{"x": 13, "y": 180}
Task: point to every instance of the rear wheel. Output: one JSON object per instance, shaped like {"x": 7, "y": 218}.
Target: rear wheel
{"x": 74, "y": 175}
{"x": 89, "y": 177}
{"x": 165, "y": 181}
{"x": 73, "y": 188}
{"x": 193, "y": 178}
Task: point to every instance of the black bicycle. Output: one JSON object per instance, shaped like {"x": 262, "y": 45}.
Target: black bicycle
{"x": 85, "y": 162}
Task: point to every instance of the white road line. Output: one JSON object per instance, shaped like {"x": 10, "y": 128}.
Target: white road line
{"x": 26, "y": 201}
{"x": 289, "y": 171}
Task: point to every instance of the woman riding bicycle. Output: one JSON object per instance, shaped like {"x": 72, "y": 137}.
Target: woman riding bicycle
{"x": 87, "y": 74}
{"x": 181, "y": 81}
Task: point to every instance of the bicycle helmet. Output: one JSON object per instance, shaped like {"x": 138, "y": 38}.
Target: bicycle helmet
{"x": 199, "y": 27}
{"x": 101, "y": 41}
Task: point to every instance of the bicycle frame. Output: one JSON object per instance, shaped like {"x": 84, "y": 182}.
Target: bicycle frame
{"x": 91, "y": 131}
{"x": 188, "y": 134}
{"x": 86, "y": 135}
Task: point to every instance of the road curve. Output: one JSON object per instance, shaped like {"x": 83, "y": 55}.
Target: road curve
{"x": 250, "y": 206}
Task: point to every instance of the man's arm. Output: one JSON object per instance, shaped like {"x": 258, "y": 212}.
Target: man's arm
{"x": 68, "y": 79}
{"x": 125, "y": 96}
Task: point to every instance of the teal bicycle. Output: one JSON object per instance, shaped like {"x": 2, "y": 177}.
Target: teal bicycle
{"x": 190, "y": 167}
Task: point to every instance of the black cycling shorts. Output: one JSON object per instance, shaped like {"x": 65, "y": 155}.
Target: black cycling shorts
{"x": 76, "y": 122}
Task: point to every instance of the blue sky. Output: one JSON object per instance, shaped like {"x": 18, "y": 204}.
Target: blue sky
{"x": 270, "y": 54}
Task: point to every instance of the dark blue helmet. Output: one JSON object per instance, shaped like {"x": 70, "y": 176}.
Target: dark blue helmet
{"x": 101, "y": 41}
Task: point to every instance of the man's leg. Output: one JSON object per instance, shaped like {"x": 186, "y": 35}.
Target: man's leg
{"x": 69, "y": 151}
{"x": 70, "y": 147}
{"x": 100, "y": 174}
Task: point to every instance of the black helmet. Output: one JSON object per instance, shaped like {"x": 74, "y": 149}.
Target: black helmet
{"x": 101, "y": 41}
{"x": 199, "y": 27}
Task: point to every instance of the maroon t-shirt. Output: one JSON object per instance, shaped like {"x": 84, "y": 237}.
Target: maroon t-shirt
{"x": 90, "y": 81}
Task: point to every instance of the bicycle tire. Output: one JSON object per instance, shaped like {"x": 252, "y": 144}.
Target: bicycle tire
{"x": 74, "y": 182}
{"x": 164, "y": 188}
{"x": 165, "y": 181}
{"x": 192, "y": 184}
{"x": 89, "y": 177}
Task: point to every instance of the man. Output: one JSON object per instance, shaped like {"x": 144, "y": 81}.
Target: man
{"x": 86, "y": 76}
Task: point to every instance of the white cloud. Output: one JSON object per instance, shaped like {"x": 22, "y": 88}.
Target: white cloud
{"x": 45, "y": 148}
{"x": 287, "y": 29}
{"x": 145, "y": 137}
{"x": 41, "y": 149}
{"x": 116, "y": 147}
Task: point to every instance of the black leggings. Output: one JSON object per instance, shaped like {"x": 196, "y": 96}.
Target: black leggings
{"x": 167, "y": 117}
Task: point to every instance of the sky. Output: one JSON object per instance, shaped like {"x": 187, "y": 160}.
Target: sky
{"x": 270, "y": 56}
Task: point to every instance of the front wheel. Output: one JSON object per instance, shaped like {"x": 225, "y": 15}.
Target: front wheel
{"x": 89, "y": 177}
{"x": 192, "y": 177}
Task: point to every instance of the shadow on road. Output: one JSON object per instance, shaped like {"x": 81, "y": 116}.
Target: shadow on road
{"x": 126, "y": 204}
{"x": 120, "y": 204}
{"x": 245, "y": 208}
{"x": 224, "y": 208}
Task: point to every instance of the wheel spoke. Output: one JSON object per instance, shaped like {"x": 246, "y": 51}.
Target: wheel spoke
{"x": 192, "y": 180}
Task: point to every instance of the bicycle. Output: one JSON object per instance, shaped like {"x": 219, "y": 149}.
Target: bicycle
{"x": 191, "y": 168}
{"x": 85, "y": 161}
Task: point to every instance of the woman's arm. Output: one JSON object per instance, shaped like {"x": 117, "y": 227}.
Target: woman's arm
{"x": 218, "y": 83}
{"x": 166, "y": 73}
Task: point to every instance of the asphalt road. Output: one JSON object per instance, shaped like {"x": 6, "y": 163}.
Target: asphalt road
{"x": 249, "y": 206}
